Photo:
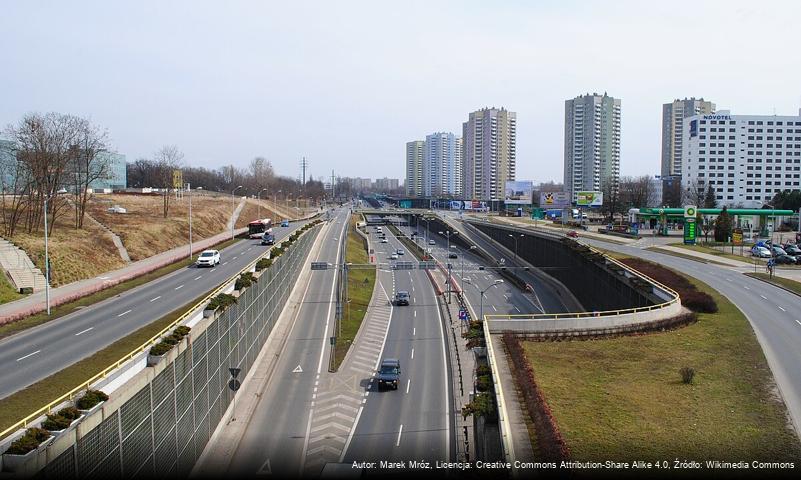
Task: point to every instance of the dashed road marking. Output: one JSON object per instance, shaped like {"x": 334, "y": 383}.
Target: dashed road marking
{"x": 198, "y": 277}
{"x": 28, "y": 355}
{"x": 782, "y": 309}
{"x": 764, "y": 297}
{"x": 400, "y": 432}
{"x": 408, "y": 383}
{"x": 154, "y": 299}
{"x": 84, "y": 331}
{"x": 124, "y": 313}
{"x": 179, "y": 287}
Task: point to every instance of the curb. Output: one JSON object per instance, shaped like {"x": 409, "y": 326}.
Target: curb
{"x": 747, "y": 274}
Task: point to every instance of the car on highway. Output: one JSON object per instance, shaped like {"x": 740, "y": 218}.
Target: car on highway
{"x": 760, "y": 252}
{"x": 394, "y": 256}
{"x": 384, "y": 240}
{"x": 400, "y": 251}
{"x": 453, "y": 255}
{"x": 389, "y": 373}
{"x": 208, "y": 258}
{"x": 401, "y": 297}
{"x": 572, "y": 234}
{"x": 285, "y": 223}
{"x": 268, "y": 239}
{"x": 432, "y": 242}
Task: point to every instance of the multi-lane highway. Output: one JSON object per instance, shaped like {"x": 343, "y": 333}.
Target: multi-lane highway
{"x": 39, "y": 352}
{"x": 414, "y": 422}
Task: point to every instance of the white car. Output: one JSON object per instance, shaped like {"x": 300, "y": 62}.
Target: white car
{"x": 384, "y": 240}
{"x": 117, "y": 209}
{"x": 432, "y": 242}
{"x": 208, "y": 258}
{"x": 394, "y": 256}
{"x": 761, "y": 252}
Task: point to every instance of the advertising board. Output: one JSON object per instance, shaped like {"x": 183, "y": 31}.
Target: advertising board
{"x": 518, "y": 192}
{"x": 589, "y": 199}
{"x": 549, "y": 200}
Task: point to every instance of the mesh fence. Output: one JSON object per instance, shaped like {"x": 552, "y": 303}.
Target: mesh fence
{"x": 162, "y": 430}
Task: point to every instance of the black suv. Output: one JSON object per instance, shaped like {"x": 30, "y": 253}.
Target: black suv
{"x": 389, "y": 373}
{"x": 402, "y": 298}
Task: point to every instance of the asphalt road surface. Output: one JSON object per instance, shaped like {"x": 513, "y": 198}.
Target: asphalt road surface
{"x": 39, "y": 352}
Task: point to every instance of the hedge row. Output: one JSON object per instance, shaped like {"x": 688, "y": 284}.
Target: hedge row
{"x": 549, "y": 438}
{"x": 166, "y": 344}
{"x": 691, "y": 297}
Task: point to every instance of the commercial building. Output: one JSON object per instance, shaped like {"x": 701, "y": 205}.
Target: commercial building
{"x": 489, "y": 153}
{"x": 592, "y": 143}
{"x": 673, "y": 115}
{"x": 442, "y": 165}
{"x": 415, "y": 152}
{"x": 746, "y": 159}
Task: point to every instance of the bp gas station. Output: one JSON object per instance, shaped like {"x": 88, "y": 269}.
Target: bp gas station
{"x": 758, "y": 222}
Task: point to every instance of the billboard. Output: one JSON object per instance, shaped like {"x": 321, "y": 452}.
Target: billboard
{"x": 550, "y": 200}
{"x": 518, "y": 192}
{"x": 589, "y": 199}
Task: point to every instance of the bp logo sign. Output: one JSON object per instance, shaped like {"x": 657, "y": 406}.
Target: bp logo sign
{"x": 690, "y": 211}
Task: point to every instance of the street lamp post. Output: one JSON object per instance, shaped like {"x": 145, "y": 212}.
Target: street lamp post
{"x": 258, "y": 202}
{"x": 189, "y": 189}
{"x": 47, "y": 260}
{"x": 232, "y": 210}
{"x": 516, "y": 239}
{"x": 482, "y": 292}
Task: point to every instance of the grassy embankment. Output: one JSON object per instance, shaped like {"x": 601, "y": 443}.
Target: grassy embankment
{"x": 786, "y": 283}
{"x": 7, "y": 292}
{"x": 16, "y": 406}
{"x": 623, "y": 398}
{"x": 719, "y": 252}
{"x": 70, "y": 307}
{"x": 360, "y": 290}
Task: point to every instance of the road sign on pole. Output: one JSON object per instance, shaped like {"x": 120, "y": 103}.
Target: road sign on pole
{"x": 462, "y": 314}
{"x": 234, "y": 384}
{"x": 234, "y": 371}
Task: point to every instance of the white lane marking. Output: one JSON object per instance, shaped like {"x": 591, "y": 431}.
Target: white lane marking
{"x": 235, "y": 258}
{"x": 179, "y": 287}
{"x": 408, "y": 383}
{"x": 728, "y": 279}
{"x": 198, "y": 277}
{"x": 397, "y": 444}
{"x": 518, "y": 310}
{"x": 124, "y": 313}
{"x": 154, "y": 299}
{"x": 28, "y": 355}
{"x": 414, "y": 331}
{"x": 782, "y": 309}
{"x": 412, "y": 353}
{"x": 746, "y": 287}
{"x": 506, "y": 296}
{"x": 226, "y": 263}
{"x": 493, "y": 307}
{"x": 764, "y": 297}
{"x": 84, "y": 331}
{"x": 415, "y": 313}
{"x": 249, "y": 249}
{"x": 798, "y": 322}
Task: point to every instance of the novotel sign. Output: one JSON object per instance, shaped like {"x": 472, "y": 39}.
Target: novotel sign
{"x": 717, "y": 117}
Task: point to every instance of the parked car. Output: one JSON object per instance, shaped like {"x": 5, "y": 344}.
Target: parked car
{"x": 384, "y": 240}
{"x": 208, "y": 258}
{"x": 394, "y": 256}
{"x": 117, "y": 209}
{"x": 401, "y": 297}
{"x": 792, "y": 250}
{"x": 268, "y": 239}
{"x": 453, "y": 255}
{"x": 572, "y": 234}
{"x": 760, "y": 252}
{"x": 432, "y": 242}
{"x": 389, "y": 373}
{"x": 400, "y": 251}
{"x": 284, "y": 223}
{"x": 785, "y": 259}
{"x": 777, "y": 250}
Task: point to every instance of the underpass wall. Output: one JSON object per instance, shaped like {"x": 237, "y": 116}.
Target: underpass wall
{"x": 593, "y": 284}
{"x": 158, "y": 423}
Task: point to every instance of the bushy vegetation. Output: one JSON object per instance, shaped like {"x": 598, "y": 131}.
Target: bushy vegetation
{"x": 166, "y": 344}
{"x": 32, "y": 438}
{"x": 691, "y": 297}
{"x": 263, "y": 263}
{"x": 223, "y": 300}
{"x": 245, "y": 280}
{"x": 90, "y": 399}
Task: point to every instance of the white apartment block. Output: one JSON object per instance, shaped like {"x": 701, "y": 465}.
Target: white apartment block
{"x": 415, "y": 152}
{"x": 673, "y": 115}
{"x": 747, "y": 159}
{"x": 489, "y": 153}
{"x": 592, "y": 143}
{"x": 442, "y": 165}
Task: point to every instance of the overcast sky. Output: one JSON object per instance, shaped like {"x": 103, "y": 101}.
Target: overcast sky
{"x": 348, "y": 83}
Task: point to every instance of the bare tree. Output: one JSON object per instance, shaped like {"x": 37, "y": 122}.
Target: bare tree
{"x": 168, "y": 160}
{"x": 612, "y": 201}
{"x": 89, "y": 162}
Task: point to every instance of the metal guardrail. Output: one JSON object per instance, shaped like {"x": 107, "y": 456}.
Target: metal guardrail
{"x": 137, "y": 351}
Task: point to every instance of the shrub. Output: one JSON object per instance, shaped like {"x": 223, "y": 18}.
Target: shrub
{"x": 90, "y": 399}
{"x": 171, "y": 340}
{"x": 687, "y": 375}
{"x": 32, "y": 438}
{"x": 160, "y": 349}
{"x": 244, "y": 281}
{"x": 483, "y": 383}
{"x": 690, "y": 296}
{"x": 70, "y": 413}
{"x": 182, "y": 331}
{"x": 700, "y": 302}
{"x": 483, "y": 405}
{"x": 56, "y": 422}
{"x": 222, "y": 300}
{"x": 483, "y": 370}
{"x": 263, "y": 263}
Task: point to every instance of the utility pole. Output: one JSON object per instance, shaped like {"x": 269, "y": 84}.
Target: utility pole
{"x": 303, "y": 166}
{"x": 189, "y": 189}
{"x": 333, "y": 190}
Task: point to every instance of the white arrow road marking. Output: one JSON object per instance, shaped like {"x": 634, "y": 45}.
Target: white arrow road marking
{"x": 84, "y": 331}
{"x": 297, "y": 370}
{"x": 28, "y": 355}
{"x": 265, "y": 469}
{"x": 124, "y": 313}
{"x": 154, "y": 299}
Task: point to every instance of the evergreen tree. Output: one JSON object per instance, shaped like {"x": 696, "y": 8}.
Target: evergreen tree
{"x": 709, "y": 198}
{"x": 723, "y": 226}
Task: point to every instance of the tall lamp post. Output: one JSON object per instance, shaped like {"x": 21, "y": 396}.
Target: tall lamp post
{"x": 47, "y": 256}
{"x": 516, "y": 238}
{"x": 189, "y": 189}
{"x": 232, "y": 210}
{"x": 482, "y": 292}
{"x": 448, "y": 235}
{"x": 258, "y": 202}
